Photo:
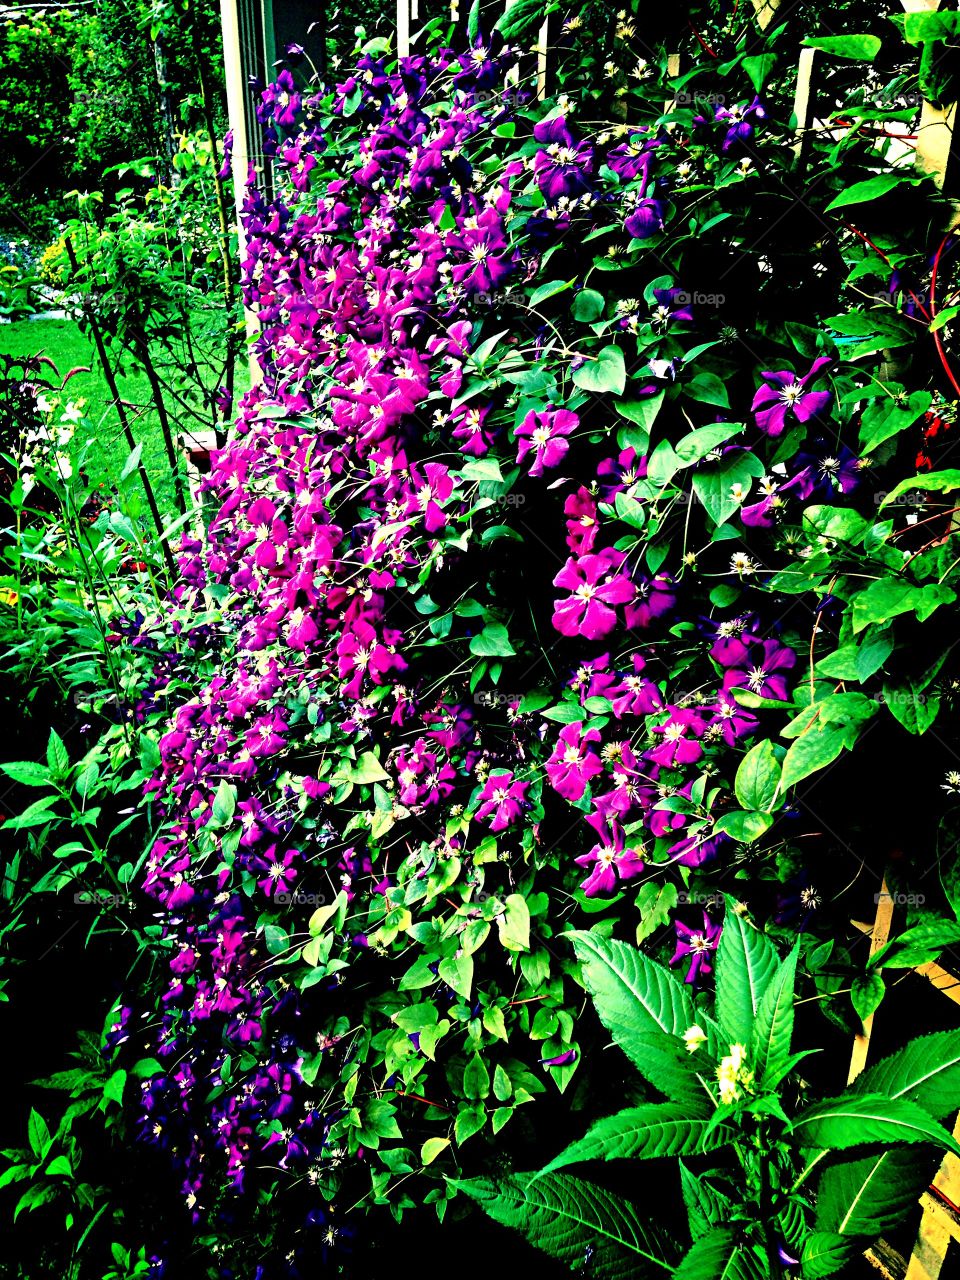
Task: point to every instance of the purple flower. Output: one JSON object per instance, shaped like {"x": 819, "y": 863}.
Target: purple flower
{"x": 573, "y": 764}
{"x": 611, "y": 861}
{"x": 699, "y": 945}
{"x": 596, "y": 585}
{"x": 681, "y": 736}
{"x": 544, "y": 432}
{"x": 645, "y": 220}
{"x": 828, "y": 471}
{"x": 563, "y": 166}
{"x": 740, "y": 119}
{"x": 504, "y": 798}
{"x": 784, "y": 393}
{"x": 763, "y": 672}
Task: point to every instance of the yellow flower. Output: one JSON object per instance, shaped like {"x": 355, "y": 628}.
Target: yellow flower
{"x": 694, "y": 1037}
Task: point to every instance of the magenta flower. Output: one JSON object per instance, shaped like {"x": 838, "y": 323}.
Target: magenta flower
{"x": 504, "y": 798}
{"x": 645, "y": 220}
{"x": 655, "y": 597}
{"x": 785, "y": 394}
{"x": 681, "y": 736}
{"x": 699, "y": 945}
{"x": 611, "y": 861}
{"x": 596, "y": 585}
{"x": 636, "y": 694}
{"x": 573, "y": 764}
{"x": 544, "y": 434}
{"x": 763, "y": 672}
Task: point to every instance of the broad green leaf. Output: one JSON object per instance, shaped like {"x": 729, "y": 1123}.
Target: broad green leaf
{"x": 918, "y": 945}
{"x": 655, "y": 903}
{"x": 824, "y": 1254}
{"x": 368, "y": 769}
{"x": 888, "y": 597}
{"x": 548, "y": 290}
{"x": 867, "y": 1196}
{"x": 27, "y": 773}
{"x": 697, "y": 444}
{"x": 457, "y": 972}
{"x": 646, "y": 1133}
{"x": 747, "y": 964}
{"x": 773, "y": 1027}
{"x": 565, "y": 1216}
{"x": 492, "y": 642}
{"x": 432, "y": 1148}
{"x": 884, "y": 418}
{"x": 588, "y": 305}
{"x": 855, "y": 1119}
{"x": 933, "y": 482}
{"x": 856, "y": 48}
{"x": 519, "y": 15}
{"x": 476, "y": 1079}
{"x": 706, "y": 1207}
{"x": 758, "y": 778}
{"x": 637, "y": 1000}
{"x": 812, "y": 751}
{"x": 715, "y": 485}
{"x": 719, "y": 1256}
{"x": 758, "y": 68}
{"x": 915, "y": 710}
{"x": 866, "y": 992}
{"x": 606, "y": 373}
{"x": 744, "y": 827}
{"x": 38, "y": 1134}
{"x": 514, "y": 923}
{"x": 866, "y": 191}
{"x": 58, "y": 758}
{"x": 707, "y": 388}
{"x": 224, "y": 803}
{"x": 921, "y": 28}
{"x": 925, "y": 1071}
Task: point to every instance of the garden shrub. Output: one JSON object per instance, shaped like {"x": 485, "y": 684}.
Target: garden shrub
{"x": 569, "y": 547}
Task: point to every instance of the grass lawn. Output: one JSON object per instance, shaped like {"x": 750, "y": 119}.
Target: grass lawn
{"x": 68, "y": 348}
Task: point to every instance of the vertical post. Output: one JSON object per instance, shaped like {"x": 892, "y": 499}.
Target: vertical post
{"x": 239, "y": 124}
{"x": 403, "y": 28}
{"x": 765, "y": 11}
{"x": 878, "y": 938}
{"x": 802, "y": 101}
{"x": 543, "y": 52}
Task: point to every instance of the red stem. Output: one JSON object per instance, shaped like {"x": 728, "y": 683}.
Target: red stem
{"x": 933, "y": 313}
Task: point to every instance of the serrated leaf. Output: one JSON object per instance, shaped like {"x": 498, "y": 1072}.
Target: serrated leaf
{"x": 773, "y": 1026}
{"x": 925, "y": 1071}
{"x": 747, "y": 964}
{"x": 706, "y": 1207}
{"x": 647, "y": 1132}
{"x": 868, "y": 1196}
{"x": 637, "y": 1000}
{"x": 563, "y": 1215}
{"x": 855, "y": 1119}
{"x": 58, "y": 758}
{"x": 718, "y": 1256}
{"x": 824, "y": 1254}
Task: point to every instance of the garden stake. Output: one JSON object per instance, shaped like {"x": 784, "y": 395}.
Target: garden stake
{"x": 878, "y": 938}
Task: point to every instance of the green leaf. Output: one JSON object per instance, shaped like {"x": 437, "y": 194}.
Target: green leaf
{"x": 588, "y": 305}
{"x": 925, "y": 1071}
{"x": 884, "y": 418}
{"x": 870, "y": 1195}
{"x": 747, "y": 964}
{"x": 58, "y": 758}
{"x": 714, "y": 486}
{"x": 563, "y": 1215}
{"x": 224, "y": 803}
{"x": 514, "y": 923}
{"x": 469, "y": 1121}
{"x": 548, "y": 290}
{"x": 769, "y": 1052}
{"x": 932, "y": 482}
{"x": 744, "y": 827}
{"x": 705, "y": 1206}
{"x": 868, "y": 190}
{"x": 697, "y": 444}
{"x": 707, "y": 388}
{"x": 888, "y": 597}
{"x": 915, "y": 710}
{"x": 519, "y": 15}
{"x": 645, "y": 1133}
{"x": 758, "y": 68}
{"x": 476, "y": 1079}
{"x": 654, "y": 902}
{"x": 27, "y": 773}
{"x": 59, "y": 1166}
{"x": 824, "y": 1254}
{"x": 605, "y": 374}
{"x": 368, "y": 769}
{"x": 432, "y": 1148}
{"x": 718, "y": 1256}
{"x": 457, "y": 972}
{"x": 492, "y": 642}
{"x": 922, "y": 28}
{"x": 637, "y": 1000}
{"x": 758, "y": 778}
{"x": 856, "y": 48}
{"x": 918, "y": 945}
{"x": 812, "y": 751}
{"x": 855, "y": 1119}
{"x": 38, "y": 1134}
{"x": 866, "y": 992}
